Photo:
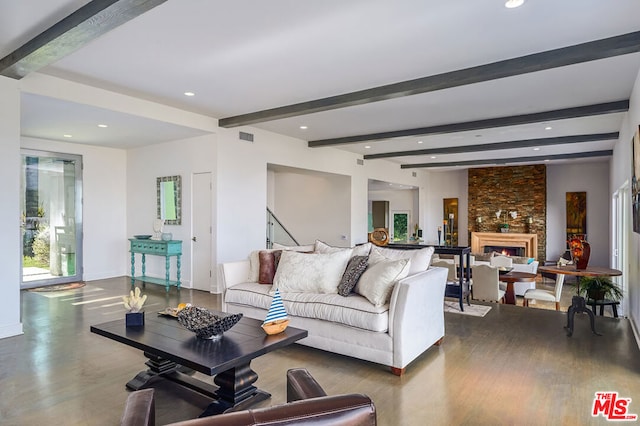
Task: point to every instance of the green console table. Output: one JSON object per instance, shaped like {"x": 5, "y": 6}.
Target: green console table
{"x": 156, "y": 248}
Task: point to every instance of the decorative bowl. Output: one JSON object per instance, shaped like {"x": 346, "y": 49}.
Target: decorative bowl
{"x": 275, "y": 327}
{"x": 142, "y": 237}
{"x": 206, "y": 324}
{"x": 504, "y": 269}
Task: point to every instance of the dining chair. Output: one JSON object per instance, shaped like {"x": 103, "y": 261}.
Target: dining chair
{"x": 486, "y": 285}
{"x": 452, "y": 275}
{"x": 546, "y": 295}
{"x": 499, "y": 261}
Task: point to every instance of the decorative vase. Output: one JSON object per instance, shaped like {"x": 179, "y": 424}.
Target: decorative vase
{"x": 134, "y": 319}
{"x": 580, "y": 252}
{"x": 167, "y": 236}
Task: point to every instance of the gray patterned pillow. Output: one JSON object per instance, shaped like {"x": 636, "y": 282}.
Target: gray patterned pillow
{"x": 355, "y": 268}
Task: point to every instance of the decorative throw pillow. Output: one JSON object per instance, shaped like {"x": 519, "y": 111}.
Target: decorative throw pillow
{"x": 355, "y": 268}
{"x": 310, "y": 272}
{"x": 320, "y": 247}
{"x": 377, "y": 281}
{"x": 420, "y": 258}
{"x": 268, "y": 265}
{"x": 362, "y": 249}
{"x": 254, "y": 265}
{"x": 307, "y": 249}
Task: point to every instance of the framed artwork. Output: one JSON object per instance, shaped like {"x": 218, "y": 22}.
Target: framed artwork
{"x": 635, "y": 184}
{"x": 577, "y": 215}
{"x": 450, "y": 221}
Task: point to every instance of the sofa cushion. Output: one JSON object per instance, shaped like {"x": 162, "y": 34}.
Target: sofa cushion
{"x": 310, "y": 272}
{"x": 522, "y": 260}
{"x": 377, "y": 281}
{"x": 420, "y": 258}
{"x": 483, "y": 257}
{"x": 268, "y": 265}
{"x": 355, "y": 268}
{"x": 355, "y": 310}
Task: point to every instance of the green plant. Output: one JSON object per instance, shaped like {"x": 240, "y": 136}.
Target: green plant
{"x": 41, "y": 245}
{"x": 598, "y": 288}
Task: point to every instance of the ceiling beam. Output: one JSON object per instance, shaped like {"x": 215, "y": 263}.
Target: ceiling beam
{"x": 579, "y": 53}
{"x": 498, "y": 161}
{"x": 523, "y": 143}
{"x": 85, "y": 24}
{"x": 514, "y": 120}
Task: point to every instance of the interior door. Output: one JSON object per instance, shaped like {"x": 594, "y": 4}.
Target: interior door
{"x": 51, "y": 218}
{"x": 201, "y": 240}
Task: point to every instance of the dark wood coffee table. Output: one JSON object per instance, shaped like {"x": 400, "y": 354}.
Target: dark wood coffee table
{"x": 172, "y": 350}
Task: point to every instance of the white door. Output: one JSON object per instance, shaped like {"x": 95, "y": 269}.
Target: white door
{"x": 201, "y": 238}
{"x": 621, "y": 228}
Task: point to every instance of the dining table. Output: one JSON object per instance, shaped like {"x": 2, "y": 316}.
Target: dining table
{"x": 511, "y": 278}
{"x": 578, "y": 303}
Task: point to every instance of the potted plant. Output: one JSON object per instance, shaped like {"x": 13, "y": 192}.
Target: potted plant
{"x": 504, "y": 227}
{"x": 600, "y": 288}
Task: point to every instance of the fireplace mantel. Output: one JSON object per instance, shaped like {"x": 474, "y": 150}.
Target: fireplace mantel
{"x": 528, "y": 241}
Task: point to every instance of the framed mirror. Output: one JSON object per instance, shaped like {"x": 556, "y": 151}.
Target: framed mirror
{"x": 169, "y": 195}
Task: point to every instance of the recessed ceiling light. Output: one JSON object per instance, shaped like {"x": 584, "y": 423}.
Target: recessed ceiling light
{"x": 547, "y": 160}
{"x": 536, "y": 149}
{"x": 103, "y": 126}
{"x": 189, "y": 94}
{"x": 510, "y": 4}
{"x": 419, "y": 141}
{"x": 433, "y": 157}
{"x": 68, "y": 136}
{"x": 548, "y": 128}
{"x": 303, "y": 127}
{"x": 367, "y": 147}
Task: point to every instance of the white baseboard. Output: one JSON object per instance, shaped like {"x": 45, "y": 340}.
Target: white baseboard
{"x": 636, "y": 332}
{"x": 11, "y": 330}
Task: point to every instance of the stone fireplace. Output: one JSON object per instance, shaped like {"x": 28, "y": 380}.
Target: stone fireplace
{"x": 528, "y": 243}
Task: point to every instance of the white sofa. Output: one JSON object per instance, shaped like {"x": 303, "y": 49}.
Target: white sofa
{"x": 393, "y": 334}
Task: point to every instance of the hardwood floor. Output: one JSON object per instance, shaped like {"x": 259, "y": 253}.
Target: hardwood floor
{"x": 514, "y": 366}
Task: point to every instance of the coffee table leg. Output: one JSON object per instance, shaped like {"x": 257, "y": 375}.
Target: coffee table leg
{"x": 157, "y": 366}
{"x": 236, "y": 391}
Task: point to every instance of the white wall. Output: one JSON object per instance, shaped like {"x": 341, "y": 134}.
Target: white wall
{"x": 104, "y": 205}
{"x": 592, "y": 178}
{"x": 453, "y": 184}
{"x": 314, "y": 206}
{"x": 144, "y": 166}
{"x": 621, "y": 173}
{"x": 10, "y": 213}
{"x": 242, "y": 185}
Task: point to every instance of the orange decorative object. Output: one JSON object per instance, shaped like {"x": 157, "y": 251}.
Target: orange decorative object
{"x": 580, "y": 252}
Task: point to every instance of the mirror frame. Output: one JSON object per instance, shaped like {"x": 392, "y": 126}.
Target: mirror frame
{"x": 177, "y": 196}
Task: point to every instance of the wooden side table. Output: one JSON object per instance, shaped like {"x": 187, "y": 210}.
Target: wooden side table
{"x": 578, "y": 303}
{"x": 167, "y": 249}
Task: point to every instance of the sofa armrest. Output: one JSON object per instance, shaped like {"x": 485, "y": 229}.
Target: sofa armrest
{"x": 416, "y": 301}
{"x": 301, "y": 385}
{"x": 235, "y": 272}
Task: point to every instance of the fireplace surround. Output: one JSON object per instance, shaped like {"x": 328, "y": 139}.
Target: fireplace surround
{"x": 528, "y": 242}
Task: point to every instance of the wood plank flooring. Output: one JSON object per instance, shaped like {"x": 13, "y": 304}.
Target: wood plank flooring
{"x": 514, "y": 366}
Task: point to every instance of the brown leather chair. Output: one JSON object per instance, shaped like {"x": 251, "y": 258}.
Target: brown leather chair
{"x": 306, "y": 403}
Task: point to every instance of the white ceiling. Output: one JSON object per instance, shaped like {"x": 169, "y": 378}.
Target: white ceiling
{"x": 245, "y": 56}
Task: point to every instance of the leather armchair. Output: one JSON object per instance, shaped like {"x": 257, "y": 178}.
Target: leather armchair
{"x": 306, "y": 403}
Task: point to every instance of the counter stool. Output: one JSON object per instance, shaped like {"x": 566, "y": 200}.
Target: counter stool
{"x": 602, "y": 303}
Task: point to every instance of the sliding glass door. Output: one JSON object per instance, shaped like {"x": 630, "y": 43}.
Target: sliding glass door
{"x": 51, "y": 222}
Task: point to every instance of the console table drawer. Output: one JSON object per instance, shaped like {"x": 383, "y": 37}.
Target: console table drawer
{"x": 159, "y": 247}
